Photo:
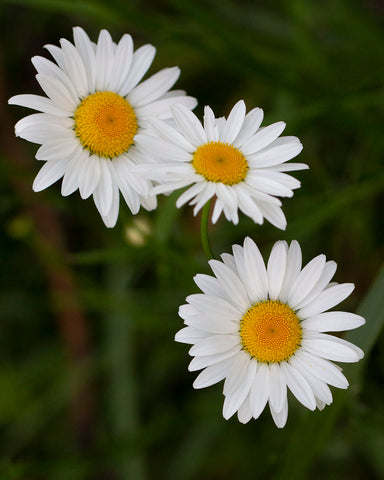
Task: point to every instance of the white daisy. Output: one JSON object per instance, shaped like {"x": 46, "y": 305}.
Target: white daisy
{"x": 262, "y": 330}
{"x": 90, "y": 120}
{"x": 233, "y": 159}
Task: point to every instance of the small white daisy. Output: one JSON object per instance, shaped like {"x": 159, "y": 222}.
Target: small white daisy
{"x": 90, "y": 120}
{"x": 262, "y": 330}
{"x": 233, "y": 159}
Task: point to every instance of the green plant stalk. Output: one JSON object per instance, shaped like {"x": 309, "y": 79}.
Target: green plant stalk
{"x": 123, "y": 409}
{"x": 204, "y": 231}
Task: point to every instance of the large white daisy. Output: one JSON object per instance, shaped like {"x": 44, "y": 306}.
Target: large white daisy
{"x": 232, "y": 159}
{"x": 262, "y": 330}
{"x": 89, "y": 122}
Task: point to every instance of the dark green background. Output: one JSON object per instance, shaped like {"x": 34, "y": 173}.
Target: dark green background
{"x": 92, "y": 385}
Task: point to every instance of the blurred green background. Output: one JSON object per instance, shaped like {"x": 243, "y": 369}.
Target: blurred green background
{"x": 92, "y": 385}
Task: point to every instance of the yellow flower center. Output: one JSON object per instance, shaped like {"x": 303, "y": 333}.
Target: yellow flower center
{"x": 105, "y": 124}
{"x": 270, "y": 331}
{"x": 220, "y": 162}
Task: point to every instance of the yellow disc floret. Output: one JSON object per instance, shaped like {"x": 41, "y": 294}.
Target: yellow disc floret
{"x": 220, "y": 162}
{"x": 105, "y": 124}
{"x": 270, "y": 331}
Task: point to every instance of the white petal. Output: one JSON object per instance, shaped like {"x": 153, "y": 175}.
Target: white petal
{"x": 103, "y": 193}
{"x": 186, "y": 310}
{"x": 231, "y": 284}
{"x": 327, "y": 299}
{"x": 234, "y": 122}
{"x": 124, "y": 171}
{"x": 210, "y": 126}
{"x": 276, "y": 269}
{"x": 249, "y": 206}
{"x": 333, "y": 322}
{"x": 57, "y": 92}
{"x": 256, "y": 271}
{"x": 298, "y": 386}
{"x": 214, "y": 306}
{"x": 41, "y": 120}
{"x": 281, "y": 150}
{"x": 217, "y": 210}
{"x": 149, "y": 202}
{"x": 319, "y": 387}
{"x": 228, "y": 196}
{"x": 273, "y": 214}
{"x": 156, "y": 146}
{"x": 211, "y": 324}
{"x": 242, "y": 271}
{"x": 280, "y": 418}
{"x": 122, "y": 62}
{"x": 332, "y": 348}
{"x": 57, "y": 148}
{"x": 202, "y": 198}
{"x": 87, "y": 53}
{"x": 90, "y": 175}
{"x": 189, "y": 125}
{"x": 162, "y": 108}
{"x": 49, "y": 173}
{"x": 155, "y": 86}
{"x": 74, "y": 67}
{"x": 260, "y": 390}
{"x": 189, "y": 335}
{"x": 263, "y": 181}
{"x": 322, "y": 369}
{"x": 359, "y": 352}
{"x": 42, "y": 127}
{"x": 237, "y": 373}
{"x": 37, "y": 102}
{"x": 202, "y": 361}
{"x": 104, "y": 60}
{"x": 111, "y": 219}
{"x": 229, "y": 261}
{"x": 289, "y": 167}
{"x": 142, "y": 60}
{"x": 210, "y": 285}
{"x": 235, "y": 399}
{"x": 306, "y": 280}
{"x": 46, "y": 68}
{"x": 190, "y": 193}
{"x": 71, "y": 178}
{"x": 263, "y": 137}
{"x": 244, "y": 413}
{"x": 213, "y": 374}
{"x": 170, "y": 134}
{"x": 214, "y": 344}
{"x": 57, "y": 55}
{"x": 322, "y": 283}
{"x": 292, "y": 270}
{"x": 251, "y": 124}
{"x": 277, "y": 387}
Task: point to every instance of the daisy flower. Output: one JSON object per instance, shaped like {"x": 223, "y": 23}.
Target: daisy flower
{"x": 232, "y": 159}
{"x": 261, "y": 329}
{"x": 89, "y": 122}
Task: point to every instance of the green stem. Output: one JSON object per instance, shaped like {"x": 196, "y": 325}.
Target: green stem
{"x": 204, "y": 231}
{"x": 123, "y": 384}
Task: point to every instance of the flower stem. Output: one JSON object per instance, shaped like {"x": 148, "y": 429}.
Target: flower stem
{"x": 204, "y": 231}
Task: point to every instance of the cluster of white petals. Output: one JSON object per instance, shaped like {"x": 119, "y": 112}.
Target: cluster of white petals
{"x": 103, "y": 131}
{"x": 79, "y": 70}
{"x": 265, "y": 154}
{"x": 213, "y": 322}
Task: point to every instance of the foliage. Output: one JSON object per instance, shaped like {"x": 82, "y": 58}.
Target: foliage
{"x": 92, "y": 384}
